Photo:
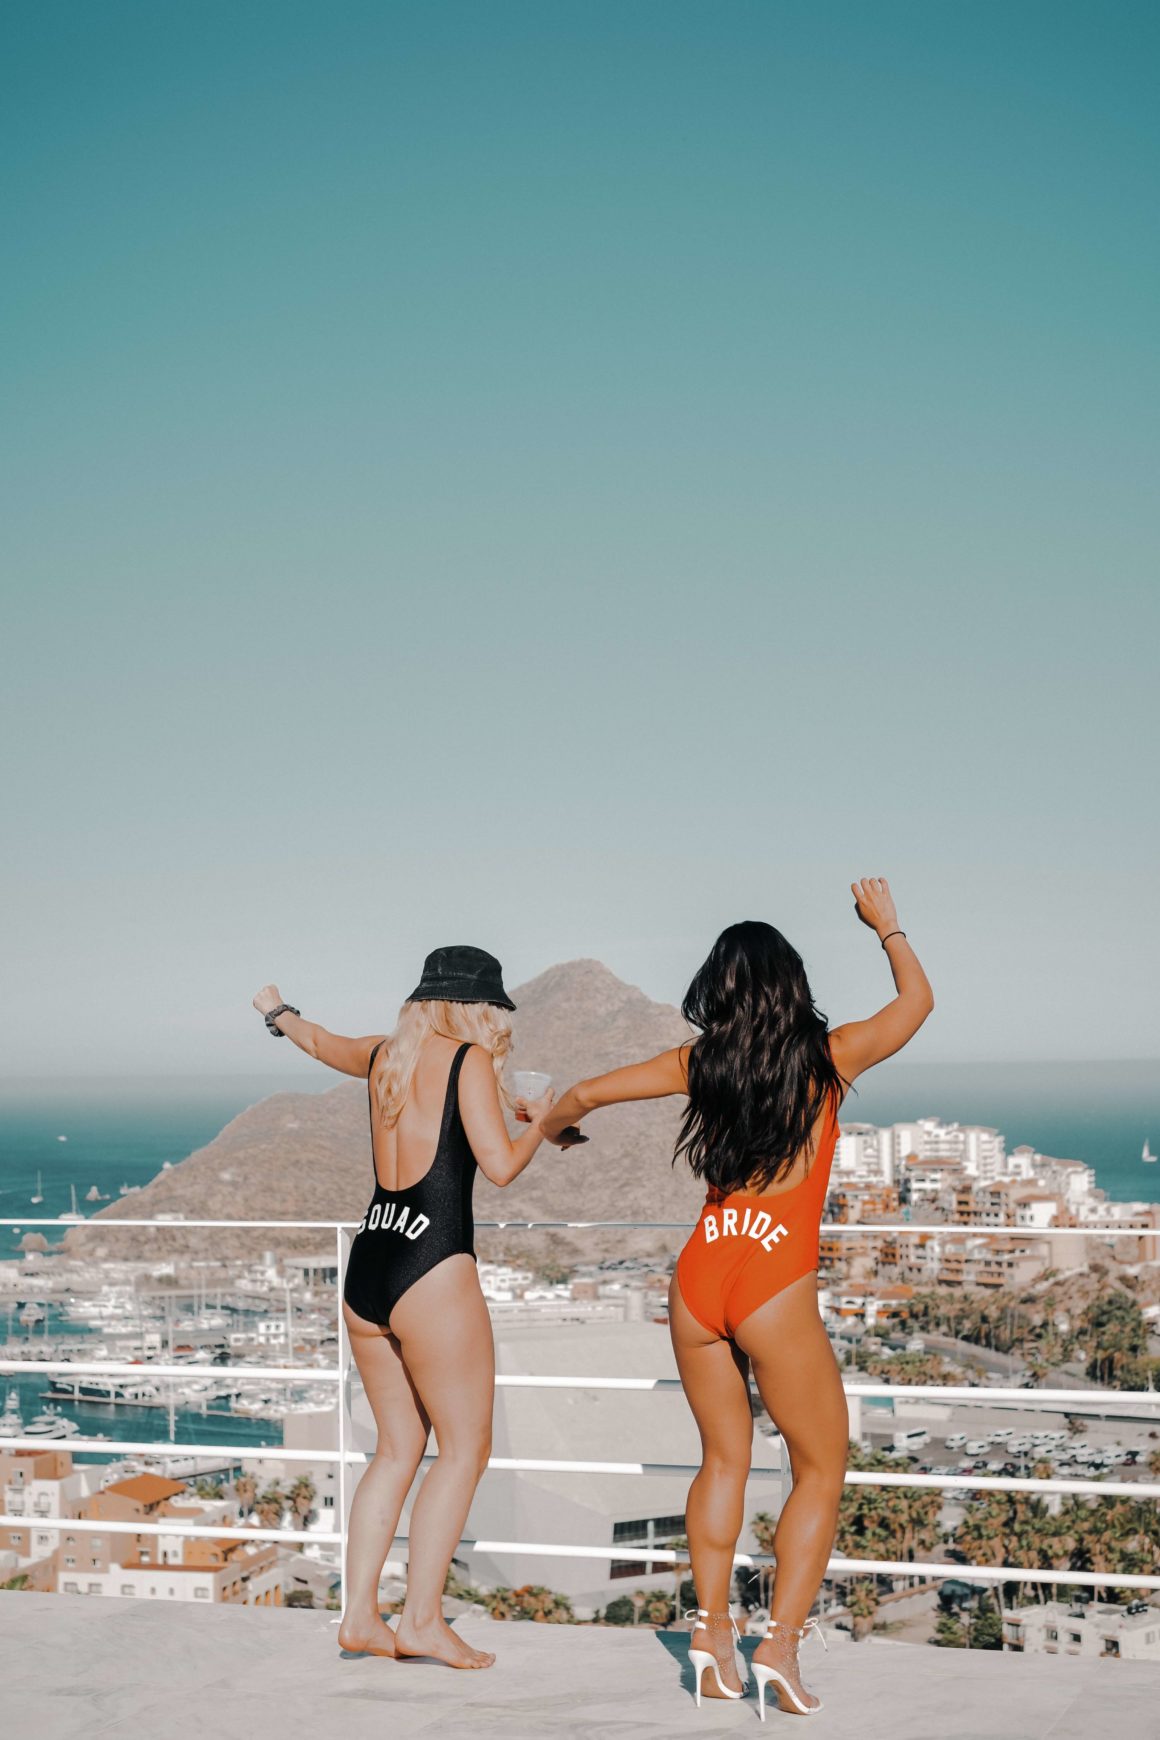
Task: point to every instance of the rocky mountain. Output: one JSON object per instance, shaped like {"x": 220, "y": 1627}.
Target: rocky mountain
{"x": 306, "y": 1156}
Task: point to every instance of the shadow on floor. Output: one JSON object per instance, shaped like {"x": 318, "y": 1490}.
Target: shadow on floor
{"x": 676, "y": 1645}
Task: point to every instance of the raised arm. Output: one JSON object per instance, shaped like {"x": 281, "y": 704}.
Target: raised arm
{"x": 498, "y": 1157}
{"x": 654, "y": 1080}
{"x": 857, "y": 1045}
{"x": 350, "y": 1056}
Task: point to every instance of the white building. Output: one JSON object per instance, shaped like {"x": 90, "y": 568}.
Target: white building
{"x": 1035, "y": 1208}
{"x": 863, "y": 1154}
{"x": 606, "y": 1509}
{"x": 1071, "y": 1179}
{"x": 1085, "y": 1628}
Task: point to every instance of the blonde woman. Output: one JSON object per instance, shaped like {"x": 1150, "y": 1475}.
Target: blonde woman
{"x": 417, "y": 1321}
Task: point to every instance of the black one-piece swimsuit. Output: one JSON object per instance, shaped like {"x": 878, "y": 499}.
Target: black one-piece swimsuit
{"x": 404, "y": 1233}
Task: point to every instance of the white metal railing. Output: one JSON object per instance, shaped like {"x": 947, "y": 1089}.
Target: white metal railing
{"x": 1113, "y": 1401}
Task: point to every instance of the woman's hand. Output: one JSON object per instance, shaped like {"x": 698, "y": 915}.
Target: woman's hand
{"x": 268, "y": 998}
{"x": 571, "y": 1136}
{"x": 874, "y": 904}
{"x": 535, "y": 1111}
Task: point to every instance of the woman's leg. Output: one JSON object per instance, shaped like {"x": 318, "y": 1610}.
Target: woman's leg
{"x": 445, "y": 1334}
{"x": 801, "y": 1386}
{"x": 716, "y": 1381}
{"x": 374, "y": 1515}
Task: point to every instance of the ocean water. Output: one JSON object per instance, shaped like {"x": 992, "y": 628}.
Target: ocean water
{"x": 1100, "y": 1113}
{"x": 115, "y": 1132}
{"x": 122, "y": 1131}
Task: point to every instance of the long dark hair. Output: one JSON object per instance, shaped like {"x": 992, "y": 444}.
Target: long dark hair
{"x": 760, "y": 1069}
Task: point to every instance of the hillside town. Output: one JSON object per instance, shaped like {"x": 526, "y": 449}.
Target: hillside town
{"x": 990, "y": 1268}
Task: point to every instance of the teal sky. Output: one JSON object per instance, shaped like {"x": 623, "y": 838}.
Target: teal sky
{"x": 567, "y": 477}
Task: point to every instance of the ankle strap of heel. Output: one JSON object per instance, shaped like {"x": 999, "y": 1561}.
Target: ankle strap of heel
{"x": 798, "y": 1631}
{"x": 704, "y": 1618}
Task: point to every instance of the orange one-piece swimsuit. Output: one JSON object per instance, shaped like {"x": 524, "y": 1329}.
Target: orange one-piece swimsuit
{"x": 747, "y": 1248}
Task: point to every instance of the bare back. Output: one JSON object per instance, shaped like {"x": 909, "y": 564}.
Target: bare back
{"x": 404, "y": 1152}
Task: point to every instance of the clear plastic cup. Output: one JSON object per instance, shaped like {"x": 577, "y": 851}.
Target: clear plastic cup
{"x": 529, "y": 1084}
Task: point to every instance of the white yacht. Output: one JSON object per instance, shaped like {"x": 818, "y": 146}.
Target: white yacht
{"x": 11, "y": 1420}
{"x": 51, "y": 1424}
{"x": 1147, "y": 1156}
{"x": 74, "y": 1213}
{"x": 104, "y": 1389}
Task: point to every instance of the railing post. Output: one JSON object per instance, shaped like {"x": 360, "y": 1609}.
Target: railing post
{"x": 342, "y": 1250}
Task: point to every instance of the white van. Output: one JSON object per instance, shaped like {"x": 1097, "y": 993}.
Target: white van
{"x": 1001, "y": 1436}
{"x": 978, "y": 1446}
{"x": 956, "y": 1440}
{"x": 915, "y": 1439}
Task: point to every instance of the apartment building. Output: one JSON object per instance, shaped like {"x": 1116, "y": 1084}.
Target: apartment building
{"x": 36, "y": 1485}
{"x": 1092, "y": 1628}
{"x": 243, "y": 1572}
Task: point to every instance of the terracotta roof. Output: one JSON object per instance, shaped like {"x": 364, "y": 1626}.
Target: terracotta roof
{"x": 149, "y": 1488}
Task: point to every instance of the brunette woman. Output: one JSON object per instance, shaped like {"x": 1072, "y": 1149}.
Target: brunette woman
{"x": 764, "y": 1079}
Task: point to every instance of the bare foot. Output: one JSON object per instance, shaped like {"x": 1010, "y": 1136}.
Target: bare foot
{"x": 367, "y": 1637}
{"x": 440, "y": 1642}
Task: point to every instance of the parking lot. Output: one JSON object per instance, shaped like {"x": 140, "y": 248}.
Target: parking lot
{"x": 966, "y": 1439}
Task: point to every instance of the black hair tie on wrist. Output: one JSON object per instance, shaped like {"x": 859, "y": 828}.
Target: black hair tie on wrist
{"x": 891, "y": 933}
{"x": 270, "y": 1019}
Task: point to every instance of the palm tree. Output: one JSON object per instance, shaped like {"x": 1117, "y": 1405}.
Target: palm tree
{"x": 270, "y": 1506}
{"x": 863, "y": 1605}
{"x": 764, "y": 1528}
{"x": 680, "y": 1566}
{"x": 302, "y": 1500}
{"x": 245, "y": 1491}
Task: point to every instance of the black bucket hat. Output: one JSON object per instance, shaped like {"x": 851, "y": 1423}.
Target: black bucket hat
{"x": 461, "y": 974}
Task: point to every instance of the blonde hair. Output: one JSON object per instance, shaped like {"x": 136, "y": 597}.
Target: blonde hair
{"x": 482, "y": 1024}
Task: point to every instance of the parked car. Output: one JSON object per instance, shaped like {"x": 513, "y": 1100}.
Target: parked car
{"x": 977, "y": 1446}
{"x": 956, "y": 1440}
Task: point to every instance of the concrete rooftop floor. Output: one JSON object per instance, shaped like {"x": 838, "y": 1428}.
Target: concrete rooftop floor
{"x": 73, "y": 1666}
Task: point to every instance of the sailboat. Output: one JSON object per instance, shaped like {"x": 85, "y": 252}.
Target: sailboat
{"x": 1147, "y": 1156}
{"x": 39, "y": 1197}
{"x": 75, "y": 1213}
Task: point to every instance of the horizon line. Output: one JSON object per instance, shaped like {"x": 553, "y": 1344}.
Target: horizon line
{"x": 244, "y": 1074}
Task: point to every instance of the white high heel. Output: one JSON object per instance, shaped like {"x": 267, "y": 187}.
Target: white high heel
{"x": 704, "y": 1658}
{"x": 763, "y": 1675}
